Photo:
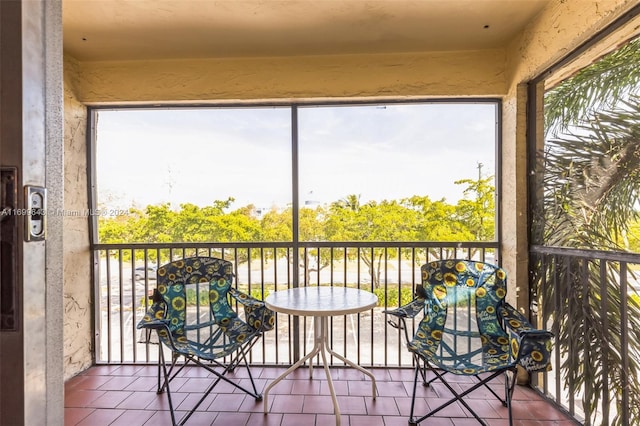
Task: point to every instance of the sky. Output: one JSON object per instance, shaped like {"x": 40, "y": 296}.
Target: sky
{"x": 373, "y": 151}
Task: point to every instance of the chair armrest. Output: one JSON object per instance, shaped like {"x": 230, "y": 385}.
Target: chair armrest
{"x": 153, "y": 324}
{"x": 256, "y": 313}
{"x": 410, "y": 310}
{"x": 154, "y": 320}
{"x": 154, "y": 317}
{"x": 530, "y": 347}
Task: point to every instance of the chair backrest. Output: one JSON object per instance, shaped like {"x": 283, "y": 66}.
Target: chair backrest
{"x": 194, "y": 291}
{"x": 462, "y": 297}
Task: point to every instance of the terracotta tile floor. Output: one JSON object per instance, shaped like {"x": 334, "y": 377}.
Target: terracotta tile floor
{"x": 125, "y": 395}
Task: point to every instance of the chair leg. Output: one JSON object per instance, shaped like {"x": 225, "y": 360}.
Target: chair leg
{"x": 164, "y": 381}
{"x": 486, "y": 385}
{"x": 234, "y": 362}
{"x": 160, "y": 363}
{"x": 166, "y": 375}
{"x": 162, "y": 366}
{"x": 509, "y": 387}
{"x": 242, "y": 354}
{"x": 170, "y": 375}
{"x": 413, "y": 395}
{"x": 459, "y": 397}
{"x": 423, "y": 374}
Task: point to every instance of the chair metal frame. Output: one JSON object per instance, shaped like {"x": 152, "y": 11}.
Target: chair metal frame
{"x": 226, "y": 338}
{"x": 507, "y": 338}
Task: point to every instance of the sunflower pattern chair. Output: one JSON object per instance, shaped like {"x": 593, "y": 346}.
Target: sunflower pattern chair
{"x": 469, "y": 329}
{"x": 193, "y": 317}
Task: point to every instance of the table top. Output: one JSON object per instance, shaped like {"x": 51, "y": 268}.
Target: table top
{"x": 321, "y": 301}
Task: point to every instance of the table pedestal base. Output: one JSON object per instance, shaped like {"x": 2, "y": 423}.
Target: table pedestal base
{"x": 321, "y": 345}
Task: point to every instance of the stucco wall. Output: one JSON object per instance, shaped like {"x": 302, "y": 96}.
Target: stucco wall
{"x": 78, "y": 336}
{"x": 558, "y": 30}
{"x": 54, "y": 176}
{"x": 309, "y": 77}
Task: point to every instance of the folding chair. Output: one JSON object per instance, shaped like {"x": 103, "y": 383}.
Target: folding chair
{"x": 194, "y": 318}
{"x": 468, "y": 329}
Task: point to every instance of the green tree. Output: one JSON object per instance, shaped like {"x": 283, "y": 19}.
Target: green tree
{"x": 194, "y": 223}
{"x": 477, "y": 210}
{"x": 235, "y": 226}
{"x": 277, "y": 225}
{"x": 413, "y": 219}
{"x": 348, "y": 220}
{"x": 437, "y": 220}
{"x": 157, "y": 225}
{"x": 312, "y": 223}
{"x": 120, "y": 229}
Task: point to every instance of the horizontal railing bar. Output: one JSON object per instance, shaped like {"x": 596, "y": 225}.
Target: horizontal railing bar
{"x": 611, "y": 256}
{"x": 593, "y": 295}
{"x": 309, "y": 244}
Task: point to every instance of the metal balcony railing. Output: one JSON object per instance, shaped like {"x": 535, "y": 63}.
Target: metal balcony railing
{"x": 580, "y": 295}
{"x": 124, "y": 276}
{"x": 590, "y": 300}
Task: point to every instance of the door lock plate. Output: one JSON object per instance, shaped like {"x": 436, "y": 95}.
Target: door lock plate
{"x": 36, "y": 214}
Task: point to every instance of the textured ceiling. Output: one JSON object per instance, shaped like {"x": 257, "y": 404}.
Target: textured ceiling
{"x": 103, "y": 30}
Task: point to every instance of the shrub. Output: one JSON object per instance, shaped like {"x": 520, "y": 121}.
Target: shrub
{"x": 389, "y": 296}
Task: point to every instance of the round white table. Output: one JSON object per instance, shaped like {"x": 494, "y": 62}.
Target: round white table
{"x": 321, "y": 303}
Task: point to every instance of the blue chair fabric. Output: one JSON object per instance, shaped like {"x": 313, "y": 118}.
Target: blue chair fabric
{"x": 469, "y": 329}
{"x": 193, "y": 315}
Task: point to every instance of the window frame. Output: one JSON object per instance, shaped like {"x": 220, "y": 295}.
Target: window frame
{"x": 293, "y": 106}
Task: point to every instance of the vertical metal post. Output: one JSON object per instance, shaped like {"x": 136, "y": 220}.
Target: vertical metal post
{"x": 624, "y": 343}
{"x": 604, "y": 344}
{"x": 295, "y": 204}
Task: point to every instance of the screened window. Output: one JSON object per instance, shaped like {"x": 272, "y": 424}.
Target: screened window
{"x": 383, "y": 172}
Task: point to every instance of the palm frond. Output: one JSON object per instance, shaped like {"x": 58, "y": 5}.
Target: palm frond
{"x": 583, "y": 313}
{"x": 590, "y": 187}
{"x": 592, "y": 179}
{"x": 600, "y": 86}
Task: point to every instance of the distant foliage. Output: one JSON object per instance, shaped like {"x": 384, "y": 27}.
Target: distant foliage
{"x": 416, "y": 218}
{"x": 391, "y": 297}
